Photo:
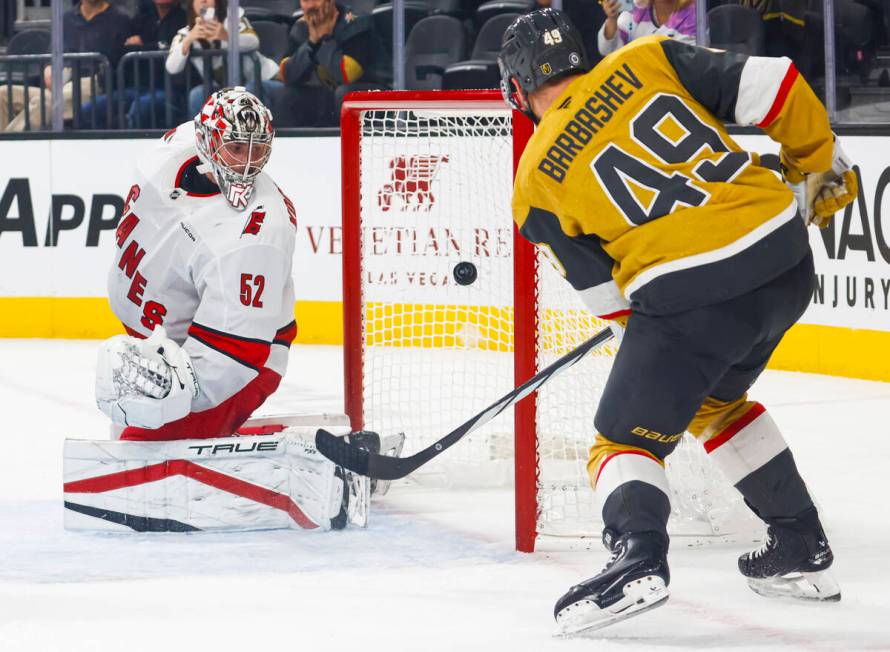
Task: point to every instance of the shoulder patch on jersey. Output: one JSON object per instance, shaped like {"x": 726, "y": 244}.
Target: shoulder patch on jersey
{"x": 254, "y": 222}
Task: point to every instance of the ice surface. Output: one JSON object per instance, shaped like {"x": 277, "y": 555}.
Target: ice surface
{"x": 435, "y": 570}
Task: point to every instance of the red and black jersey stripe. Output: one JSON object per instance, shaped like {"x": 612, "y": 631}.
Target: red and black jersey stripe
{"x": 132, "y": 332}
{"x": 250, "y": 352}
{"x": 285, "y": 336}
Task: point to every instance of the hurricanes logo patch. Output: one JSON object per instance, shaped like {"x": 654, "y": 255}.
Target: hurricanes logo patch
{"x": 254, "y": 223}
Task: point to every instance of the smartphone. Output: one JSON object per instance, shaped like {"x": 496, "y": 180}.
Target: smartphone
{"x": 209, "y": 13}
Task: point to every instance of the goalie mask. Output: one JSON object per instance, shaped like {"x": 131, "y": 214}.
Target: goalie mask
{"x": 536, "y": 48}
{"x": 234, "y": 135}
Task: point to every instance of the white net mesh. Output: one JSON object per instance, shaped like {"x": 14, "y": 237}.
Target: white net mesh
{"x": 435, "y": 202}
{"x": 436, "y": 193}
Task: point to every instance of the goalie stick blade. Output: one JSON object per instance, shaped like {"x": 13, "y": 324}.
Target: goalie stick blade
{"x": 361, "y": 461}
{"x": 341, "y": 453}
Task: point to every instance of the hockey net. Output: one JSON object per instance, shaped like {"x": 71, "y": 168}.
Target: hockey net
{"x": 446, "y": 309}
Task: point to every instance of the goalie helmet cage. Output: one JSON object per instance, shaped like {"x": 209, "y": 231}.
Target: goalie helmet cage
{"x": 447, "y": 308}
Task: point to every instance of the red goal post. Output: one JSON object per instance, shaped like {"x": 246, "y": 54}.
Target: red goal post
{"x": 524, "y": 263}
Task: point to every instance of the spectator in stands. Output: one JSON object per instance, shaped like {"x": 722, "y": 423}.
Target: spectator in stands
{"x": 336, "y": 48}
{"x": 91, "y": 26}
{"x": 155, "y": 26}
{"x": 206, "y": 29}
{"x": 794, "y": 28}
{"x": 672, "y": 18}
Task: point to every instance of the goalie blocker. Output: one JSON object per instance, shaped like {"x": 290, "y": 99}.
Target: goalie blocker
{"x": 270, "y": 479}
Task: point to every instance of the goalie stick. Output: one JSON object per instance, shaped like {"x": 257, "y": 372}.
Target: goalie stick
{"x": 382, "y": 467}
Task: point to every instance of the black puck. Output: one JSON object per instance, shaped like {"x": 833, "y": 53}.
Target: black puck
{"x": 465, "y": 273}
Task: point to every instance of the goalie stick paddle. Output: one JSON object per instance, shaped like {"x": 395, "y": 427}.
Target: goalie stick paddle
{"x": 382, "y": 467}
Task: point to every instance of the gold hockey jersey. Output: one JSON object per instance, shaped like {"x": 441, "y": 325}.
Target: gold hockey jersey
{"x": 633, "y": 185}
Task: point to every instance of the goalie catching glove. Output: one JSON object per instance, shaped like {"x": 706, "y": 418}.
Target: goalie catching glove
{"x": 821, "y": 194}
{"x": 144, "y": 383}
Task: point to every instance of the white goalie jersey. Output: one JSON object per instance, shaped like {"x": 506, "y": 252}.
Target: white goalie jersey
{"x": 217, "y": 279}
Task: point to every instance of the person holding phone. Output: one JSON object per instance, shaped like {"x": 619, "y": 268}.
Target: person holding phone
{"x": 630, "y": 19}
{"x": 207, "y": 29}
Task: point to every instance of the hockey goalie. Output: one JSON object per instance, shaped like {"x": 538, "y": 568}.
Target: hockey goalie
{"x": 202, "y": 284}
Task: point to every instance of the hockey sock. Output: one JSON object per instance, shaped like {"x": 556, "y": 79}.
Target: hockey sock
{"x": 632, "y": 490}
{"x": 753, "y": 455}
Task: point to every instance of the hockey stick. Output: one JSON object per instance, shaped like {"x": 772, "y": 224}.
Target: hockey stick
{"x": 383, "y": 467}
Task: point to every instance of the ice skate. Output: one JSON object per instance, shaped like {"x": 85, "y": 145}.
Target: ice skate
{"x": 793, "y": 562}
{"x": 634, "y": 580}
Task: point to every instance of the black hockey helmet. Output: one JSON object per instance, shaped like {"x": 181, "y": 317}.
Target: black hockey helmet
{"x": 536, "y": 48}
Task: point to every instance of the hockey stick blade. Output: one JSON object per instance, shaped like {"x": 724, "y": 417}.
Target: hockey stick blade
{"x": 383, "y": 467}
{"x": 361, "y": 461}
{"x": 340, "y": 452}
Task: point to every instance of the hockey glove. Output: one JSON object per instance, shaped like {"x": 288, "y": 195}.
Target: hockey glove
{"x": 144, "y": 383}
{"x": 821, "y": 194}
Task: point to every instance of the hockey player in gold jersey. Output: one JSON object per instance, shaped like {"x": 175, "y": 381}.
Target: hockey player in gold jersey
{"x": 664, "y": 224}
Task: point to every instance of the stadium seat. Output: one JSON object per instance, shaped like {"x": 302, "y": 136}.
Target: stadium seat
{"x": 29, "y": 41}
{"x": 435, "y": 43}
{"x": 448, "y": 7}
{"x": 737, "y": 29}
{"x": 274, "y": 40}
{"x": 279, "y": 10}
{"x": 382, "y": 16}
{"x": 488, "y": 41}
{"x": 481, "y": 70}
{"x": 488, "y": 9}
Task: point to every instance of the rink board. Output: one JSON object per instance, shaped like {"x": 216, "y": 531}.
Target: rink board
{"x": 57, "y": 221}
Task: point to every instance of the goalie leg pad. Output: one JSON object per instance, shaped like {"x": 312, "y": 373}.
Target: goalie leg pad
{"x": 226, "y": 484}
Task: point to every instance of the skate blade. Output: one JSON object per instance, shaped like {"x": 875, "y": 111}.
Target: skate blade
{"x": 814, "y": 587}
{"x": 640, "y": 596}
